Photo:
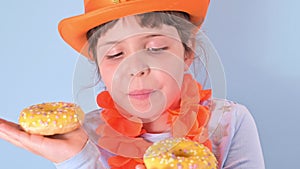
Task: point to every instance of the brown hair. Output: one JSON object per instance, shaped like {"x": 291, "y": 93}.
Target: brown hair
{"x": 150, "y": 20}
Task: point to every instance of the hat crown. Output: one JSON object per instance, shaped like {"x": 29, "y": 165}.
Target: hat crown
{"x": 91, "y": 5}
{"x": 74, "y": 29}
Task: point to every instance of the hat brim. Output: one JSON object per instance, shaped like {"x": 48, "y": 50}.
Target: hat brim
{"x": 73, "y": 30}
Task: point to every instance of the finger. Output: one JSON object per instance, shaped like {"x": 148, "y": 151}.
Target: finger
{"x": 34, "y": 143}
{"x": 12, "y": 133}
{"x": 2, "y": 120}
{"x": 140, "y": 166}
{"x": 6, "y": 129}
{"x": 17, "y": 126}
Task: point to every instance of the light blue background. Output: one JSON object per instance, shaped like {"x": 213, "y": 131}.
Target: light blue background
{"x": 258, "y": 42}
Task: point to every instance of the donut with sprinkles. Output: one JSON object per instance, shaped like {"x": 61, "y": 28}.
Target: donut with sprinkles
{"x": 51, "y": 118}
{"x": 179, "y": 153}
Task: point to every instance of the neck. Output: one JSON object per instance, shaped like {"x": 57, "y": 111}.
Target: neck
{"x": 159, "y": 125}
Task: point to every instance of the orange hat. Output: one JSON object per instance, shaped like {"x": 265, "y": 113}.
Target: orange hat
{"x": 73, "y": 30}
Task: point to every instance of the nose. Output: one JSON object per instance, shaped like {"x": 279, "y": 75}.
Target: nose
{"x": 137, "y": 64}
{"x": 144, "y": 71}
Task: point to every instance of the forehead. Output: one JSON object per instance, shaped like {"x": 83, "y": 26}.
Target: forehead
{"x": 128, "y": 27}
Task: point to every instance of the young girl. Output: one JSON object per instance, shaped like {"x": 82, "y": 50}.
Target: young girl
{"x": 145, "y": 53}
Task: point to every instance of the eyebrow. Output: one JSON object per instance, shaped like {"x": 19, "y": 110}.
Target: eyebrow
{"x": 116, "y": 42}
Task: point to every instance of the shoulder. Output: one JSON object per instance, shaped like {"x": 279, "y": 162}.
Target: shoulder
{"x": 226, "y": 112}
{"x": 229, "y": 106}
{"x": 231, "y": 127}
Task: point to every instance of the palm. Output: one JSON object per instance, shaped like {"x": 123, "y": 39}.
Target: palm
{"x": 55, "y": 148}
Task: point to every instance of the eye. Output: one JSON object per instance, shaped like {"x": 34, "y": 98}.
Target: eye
{"x": 156, "y": 50}
{"x": 114, "y": 55}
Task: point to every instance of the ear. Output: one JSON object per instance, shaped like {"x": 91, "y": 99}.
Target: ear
{"x": 189, "y": 55}
{"x": 188, "y": 59}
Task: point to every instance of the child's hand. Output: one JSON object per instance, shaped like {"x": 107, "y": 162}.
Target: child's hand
{"x": 140, "y": 166}
{"x": 56, "y": 148}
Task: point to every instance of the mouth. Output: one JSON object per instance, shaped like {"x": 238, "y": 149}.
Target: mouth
{"x": 141, "y": 94}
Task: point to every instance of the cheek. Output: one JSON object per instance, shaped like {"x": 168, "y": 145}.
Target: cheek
{"x": 106, "y": 73}
{"x": 113, "y": 77}
{"x": 172, "y": 71}
{"x": 173, "y": 84}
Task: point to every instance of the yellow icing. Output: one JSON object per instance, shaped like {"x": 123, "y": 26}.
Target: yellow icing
{"x": 179, "y": 153}
{"x": 50, "y": 116}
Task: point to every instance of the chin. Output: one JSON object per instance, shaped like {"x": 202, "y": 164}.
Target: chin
{"x": 149, "y": 119}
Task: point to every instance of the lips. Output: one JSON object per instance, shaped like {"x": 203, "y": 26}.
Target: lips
{"x": 141, "y": 94}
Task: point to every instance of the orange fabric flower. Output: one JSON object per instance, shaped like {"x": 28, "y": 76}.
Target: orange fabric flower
{"x": 119, "y": 135}
{"x": 112, "y": 117}
{"x": 117, "y": 143}
{"x": 119, "y": 162}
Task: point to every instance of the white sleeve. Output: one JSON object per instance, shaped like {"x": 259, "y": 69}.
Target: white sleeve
{"x": 244, "y": 147}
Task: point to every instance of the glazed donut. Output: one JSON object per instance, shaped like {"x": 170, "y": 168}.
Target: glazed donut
{"x": 179, "y": 153}
{"x": 51, "y": 118}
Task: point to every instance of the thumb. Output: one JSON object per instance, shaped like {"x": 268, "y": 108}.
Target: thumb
{"x": 140, "y": 166}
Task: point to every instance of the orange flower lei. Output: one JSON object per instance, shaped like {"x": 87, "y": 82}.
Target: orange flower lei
{"x": 120, "y": 135}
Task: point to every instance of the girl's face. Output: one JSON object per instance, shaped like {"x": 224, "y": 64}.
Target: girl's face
{"x": 141, "y": 67}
